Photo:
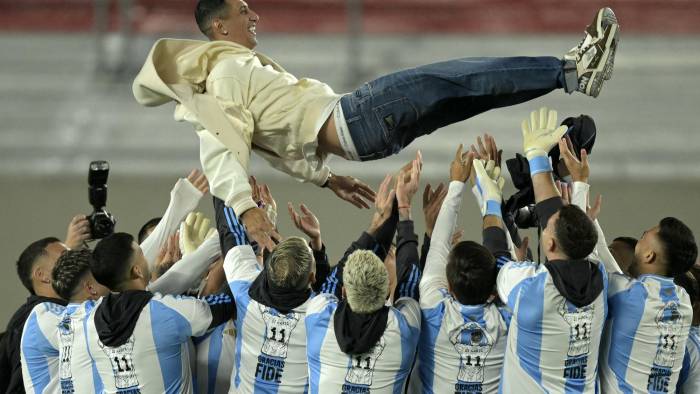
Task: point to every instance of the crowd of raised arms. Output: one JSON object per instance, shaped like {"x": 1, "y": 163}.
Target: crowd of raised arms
{"x": 184, "y": 307}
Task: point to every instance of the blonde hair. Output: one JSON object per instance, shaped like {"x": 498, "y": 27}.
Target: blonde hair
{"x": 366, "y": 282}
{"x": 290, "y": 264}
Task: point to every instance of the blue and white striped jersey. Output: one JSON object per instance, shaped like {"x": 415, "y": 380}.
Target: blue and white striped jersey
{"x": 552, "y": 344}
{"x": 77, "y": 369}
{"x": 689, "y": 380}
{"x": 270, "y": 354}
{"x": 39, "y": 347}
{"x": 645, "y": 337}
{"x": 383, "y": 369}
{"x": 214, "y": 363}
{"x": 155, "y": 358}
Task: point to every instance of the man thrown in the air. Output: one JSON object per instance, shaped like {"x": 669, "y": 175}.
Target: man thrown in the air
{"x": 240, "y": 100}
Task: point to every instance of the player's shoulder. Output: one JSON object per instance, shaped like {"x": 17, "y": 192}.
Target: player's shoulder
{"x": 321, "y": 301}
{"x": 48, "y": 309}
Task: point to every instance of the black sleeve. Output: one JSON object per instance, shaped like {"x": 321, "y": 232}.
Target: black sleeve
{"x": 496, "y": 242}
{"x": 5, "y": 367}
{"x": 407, "y": 261}
{"x": 385, "y": 233}
{"x": 334, "y": 282}
{"x": 545, "y": 209}
{"x": 323, "y": 267}
{"x": 222, "y": 306}
{"x": 424, "y": 251}
{"x": 231, "y": 230}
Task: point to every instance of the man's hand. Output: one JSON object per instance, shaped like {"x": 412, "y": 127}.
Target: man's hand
{"x": 407, "y": 186}
{"x": 383, "y": 204}
{"x": 78, "y": 232}
{"x": 594, "y": 211}
{"x": 169, "y": 253}
{"x": 432, "y": 202}
{"x": 457, "y": 237}
{"x": 193, "y": 231}
{"x": 564, "y": 192}
{"x": 461, "y": 166}
{"x": 259, "y": 227}
{"x": 307, "y": 223}
{"x": 579, "y": 169}
{"x": 487, "y": 151}
{"x": 490, "y": 186}
{"x": 198, "y": 180}
{"x": 255, "y": 190}
{"x": 351, "y": 190}
{"x": 540, "y": 135}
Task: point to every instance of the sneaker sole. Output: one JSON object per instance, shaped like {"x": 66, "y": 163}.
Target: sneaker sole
{"x": 605, "y": 64}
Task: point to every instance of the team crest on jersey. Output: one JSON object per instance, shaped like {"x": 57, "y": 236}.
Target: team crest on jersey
{"x": 122, "y": 360}
{"x": 473, "y": 344}
{"x": 580, "y": 322}
{"x": 66, "y": 334}
{"x": 359, "y": 377}
{"x": 669, "y": 322}
{"x": 278, "y": 332}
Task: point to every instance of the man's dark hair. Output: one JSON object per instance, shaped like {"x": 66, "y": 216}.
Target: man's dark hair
{"x": 679, "y": 247}
{"x": 146, "y": 227}
{"x": 70, "y": 268}
{"x": 575, "y": 232}
{"x": 111, "y": 259}
{"x": 629, "y": 241}
{"x": 206, "y": 11}
{"x": 29, "y": 256}
{"x": 471, "y": 273}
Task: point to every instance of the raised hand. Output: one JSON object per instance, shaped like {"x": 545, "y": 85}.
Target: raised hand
{"x": 594, "y": 211}
{"x": 461, "y": 165}
{"x": 269, "y": 202}
{"x": 259, "y": 227}
{"x": 579, "y": 169}
{"x": 383, "y": 203}
{"x": 307, "y": 223}
{"x": 540, "y": 135}
{"x": 169, "y": 253}
{"x": 198, "y": 180}
{"x": 193, "y": 231}
{"x": 407, "y": 184}
{"x": 78, "y": 232}
{"x": 432, "y": 201}
{"x": 490, "y": 186}
{"x": 351, "y": 190}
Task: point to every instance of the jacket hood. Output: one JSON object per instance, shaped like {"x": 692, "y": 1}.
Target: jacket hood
{"x": 357, "y": 333}
{"x": 117, "y": 314}
{"x": 579, "y": 281}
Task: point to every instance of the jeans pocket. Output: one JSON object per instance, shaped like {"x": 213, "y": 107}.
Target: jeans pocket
{"x": 397, "y": 120}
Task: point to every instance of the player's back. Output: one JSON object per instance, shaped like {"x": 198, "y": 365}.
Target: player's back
{"x": 140, "y": 341}
{"x": 555, "y": 331}
{"x": 384, "y": 368}
{"x": 645, "y": 337}
{"x": 461, "y": 348}
{"x": 215, "y": 352}
{"x": 689, "y": 380}
{"x": 77, "y": 370}
{"x": 39, "y": 348}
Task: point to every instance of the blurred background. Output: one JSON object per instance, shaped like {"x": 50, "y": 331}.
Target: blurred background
{"x": 66, "y": 68}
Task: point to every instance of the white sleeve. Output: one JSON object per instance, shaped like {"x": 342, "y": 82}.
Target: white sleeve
{"x": 240, "y": 265}
{"x": 184, "y": 198}
{"x": 511, "y": 275}
{"x": 579, "y": 197}
{"x": 228, "y": 180}
{"x": 195, "y": 311}
{"x": 185, "y": 273}
{"x": 480, "y": 202}
{"x": 301, "y": 169}
{"x": 434, "y": 276}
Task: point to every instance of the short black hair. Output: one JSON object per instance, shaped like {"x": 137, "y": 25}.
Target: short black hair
{"x": 29, "y": 256}
{"x": 679, "y": 247}
{"x": 471, "y": 273}
{"x": 629, "y": 241}
{"x": 206, "y": 11}
{"x": 111, "y": 259}
{"x": 151, "y": 223}
{"x": 575, "y": 232}
{"x": 70, "y": 268}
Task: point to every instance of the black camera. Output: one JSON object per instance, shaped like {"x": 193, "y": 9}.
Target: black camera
{"x": 101, "y": 221}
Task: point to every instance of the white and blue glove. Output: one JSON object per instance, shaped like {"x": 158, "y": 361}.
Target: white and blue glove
{"x": 489, "y": 184}
{"x": 540, "y": 135}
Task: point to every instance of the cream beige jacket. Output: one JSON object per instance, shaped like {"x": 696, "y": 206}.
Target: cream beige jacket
{"x": 239, "y": 100}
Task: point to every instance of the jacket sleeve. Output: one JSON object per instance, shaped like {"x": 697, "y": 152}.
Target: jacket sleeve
{"x": 407, "y": 261}
{"x": 187, "y": 272}
{"x": 301, "y": 170}
{"x": 323, "y": 267}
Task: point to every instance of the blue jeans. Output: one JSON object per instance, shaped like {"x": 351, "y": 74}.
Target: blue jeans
{"x": 387, "y": 114}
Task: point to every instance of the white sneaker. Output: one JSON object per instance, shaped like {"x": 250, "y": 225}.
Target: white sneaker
{"x": 595, "y": 54}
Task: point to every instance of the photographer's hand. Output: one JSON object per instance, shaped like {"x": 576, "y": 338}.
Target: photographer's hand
{"x": 78, "y": 232}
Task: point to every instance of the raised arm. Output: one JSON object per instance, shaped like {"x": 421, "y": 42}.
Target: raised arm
{"x": 308, "y": 223}
{"x": 407, "y": 260}
{"x": 188, "y": 271}
{"x": 540, "y": 135}
{"x": 434, "y": 279}
{"x": 184, "y": 198}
